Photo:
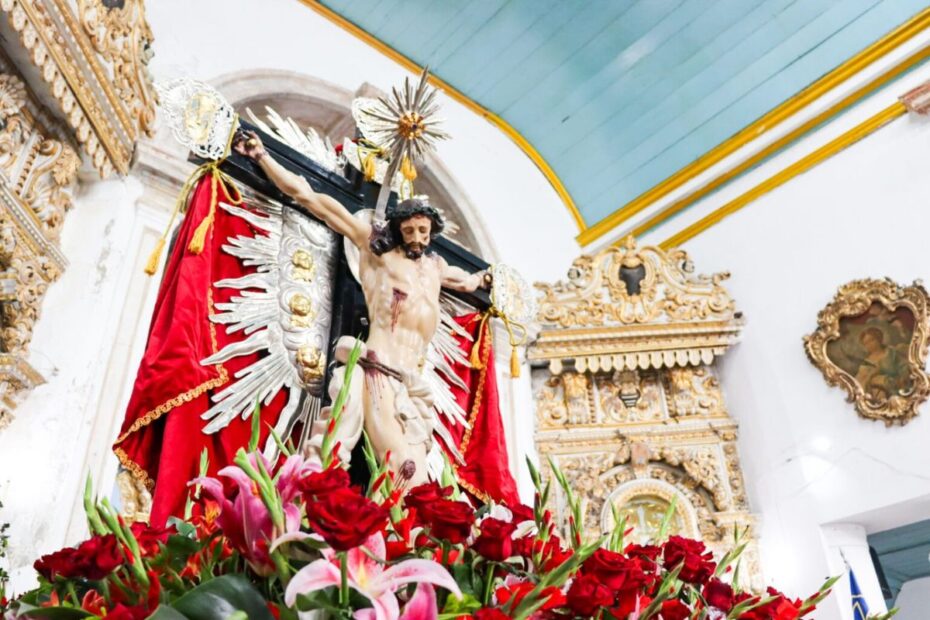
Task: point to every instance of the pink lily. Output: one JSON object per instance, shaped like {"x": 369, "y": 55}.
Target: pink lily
{"x": 245, "y": 519}
{"x": 370, "y": 578}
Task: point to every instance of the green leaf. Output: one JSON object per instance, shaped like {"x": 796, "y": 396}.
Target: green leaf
{"x": 667, "y": 520}
{"x": 464, "y": 575}
{"x": 53, "y": 612}
{"x": 256, "y": 426}
{"x": 463, "y": 606}
{"x": 219, "y": 598}
{"x": 185, "y": 529}
{"x": 181, "y": 546}
{"x": 166, "y": 613}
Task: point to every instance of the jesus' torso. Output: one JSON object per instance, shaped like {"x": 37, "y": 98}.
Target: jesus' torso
{"x": 402, "y": 296}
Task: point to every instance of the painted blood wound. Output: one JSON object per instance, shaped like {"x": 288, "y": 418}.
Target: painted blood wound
{"x": 398, "y": 297}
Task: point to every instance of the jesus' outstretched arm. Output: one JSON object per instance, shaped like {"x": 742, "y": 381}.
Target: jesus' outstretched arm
{"x": 326, "y": 208}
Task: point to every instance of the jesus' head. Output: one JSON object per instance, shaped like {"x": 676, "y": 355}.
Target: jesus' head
{"x": 414, "y": 224}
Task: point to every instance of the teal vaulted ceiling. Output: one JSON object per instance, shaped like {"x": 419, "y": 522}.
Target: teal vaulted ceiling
{"x": 903, "y": 554}
{"x": 618, "y": 95}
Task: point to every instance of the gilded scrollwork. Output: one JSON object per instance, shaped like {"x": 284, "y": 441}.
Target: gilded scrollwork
{"x": 694, "y": 391}
{"x": 628, "y": 285}
{"x": 872, "y": 341}
{"x": 626, "y": 396}
{"x": 93, "y": 58}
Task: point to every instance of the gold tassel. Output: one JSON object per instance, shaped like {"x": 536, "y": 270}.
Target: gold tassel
{"x": 155, "y": 257}
{"x": 475, "y": 357}
{"x": 408, "y": 169}
{"x": 368, "y": 166}
{"x": 514, "y": 363}
{"x": 199, "y": 239}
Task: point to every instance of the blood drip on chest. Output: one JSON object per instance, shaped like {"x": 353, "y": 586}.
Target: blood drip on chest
{"x": 397, "y": 298}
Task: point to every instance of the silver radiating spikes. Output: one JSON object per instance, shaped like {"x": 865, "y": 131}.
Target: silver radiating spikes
{"x": 282, "y": 308}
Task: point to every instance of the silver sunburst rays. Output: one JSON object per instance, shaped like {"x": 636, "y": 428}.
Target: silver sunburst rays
{"x": 404, "y": 124}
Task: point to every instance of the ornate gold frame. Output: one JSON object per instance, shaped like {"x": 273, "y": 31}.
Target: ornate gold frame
{"x": 852, "y": 300}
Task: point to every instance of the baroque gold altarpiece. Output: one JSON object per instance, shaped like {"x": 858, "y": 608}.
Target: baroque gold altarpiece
{"x": 628, "y": 403}
{"x": 74, "y": 90}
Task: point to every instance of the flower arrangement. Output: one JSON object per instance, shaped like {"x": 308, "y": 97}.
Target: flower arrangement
{"x": 294, "y": 539}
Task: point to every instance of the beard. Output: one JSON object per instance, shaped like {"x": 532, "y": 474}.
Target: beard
{"x": 413, "y": 251}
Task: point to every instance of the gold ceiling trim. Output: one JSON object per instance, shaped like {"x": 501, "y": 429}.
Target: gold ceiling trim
{"x": 828, "y": 150}
{"x": 790, "y": 107}
{"x": 459, "y": 96}
{"x": 716, "y": 183}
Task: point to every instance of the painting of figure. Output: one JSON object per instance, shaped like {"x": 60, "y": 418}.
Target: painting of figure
{"x": 873, "y": 349}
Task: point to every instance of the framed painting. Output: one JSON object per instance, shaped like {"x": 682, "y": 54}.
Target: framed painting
{"x": 872, "y": 341}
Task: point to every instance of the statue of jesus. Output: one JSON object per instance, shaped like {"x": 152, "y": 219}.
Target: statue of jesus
{"x": 401, "y": 281}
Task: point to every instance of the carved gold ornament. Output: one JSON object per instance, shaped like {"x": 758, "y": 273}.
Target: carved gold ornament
{"x": 632, "y": 307}
{"x": 630, "y": 407}
{"x": 872, "y": 341}
{"x": 93, "y": 55}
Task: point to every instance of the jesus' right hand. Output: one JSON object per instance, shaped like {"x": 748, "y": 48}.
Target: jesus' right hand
{"x": 249, "y": 144}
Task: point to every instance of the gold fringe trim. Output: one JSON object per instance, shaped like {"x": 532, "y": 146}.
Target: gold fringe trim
{"x": 185, "y": 397}
{"x": 133, "y": 468}
{"x": 473, "y": 415}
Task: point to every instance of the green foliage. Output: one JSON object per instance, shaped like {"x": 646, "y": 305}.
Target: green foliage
{"x": 220, "y": 598}
{"x": 339, "y": 404}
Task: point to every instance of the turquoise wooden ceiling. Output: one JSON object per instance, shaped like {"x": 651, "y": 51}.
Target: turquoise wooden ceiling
{"x": 903, "y": 553}
{"x": 617, "y": 95}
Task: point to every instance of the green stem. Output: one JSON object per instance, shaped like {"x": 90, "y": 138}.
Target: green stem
{"x": 343, "y": 579}
{"x": 283, "y": 568}
{"x": 486, "y": 597}
{"x": 73, "y": 593}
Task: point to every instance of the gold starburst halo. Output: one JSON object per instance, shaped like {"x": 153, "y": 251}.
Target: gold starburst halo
{"x": 403, "y": 124}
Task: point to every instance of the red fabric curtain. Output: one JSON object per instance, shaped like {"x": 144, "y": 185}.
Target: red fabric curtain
{"x": 161, "y": 438}
{"x": 486, "y": 473}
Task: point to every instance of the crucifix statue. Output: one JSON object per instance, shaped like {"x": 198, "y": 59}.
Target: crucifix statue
{"x": 401, "y": 280}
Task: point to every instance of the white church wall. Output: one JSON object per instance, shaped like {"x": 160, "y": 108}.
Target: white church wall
{"x": 62, "y": 432}
{"x": 808, "y": 458}
{"x": 914, "y": 600}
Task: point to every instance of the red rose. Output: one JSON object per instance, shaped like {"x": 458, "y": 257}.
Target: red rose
{"x": 494, "y": 543}
{"x": 697, "y": 564}
{"x": 674, "y": 610}
{"x": 448, "y": 519}
{"x": 94, "y": 558}
{"x": 615, "y": 570}
{"x": 345, "y": 519}
{"x": 425, "y": 494}
{"x": 518, "y": 591}
{"x": 719, "y": 594}
{"x": 586, "y": 595}
{"x": 150, "y": 538}
{"x": 647, "y": 554}
{"x": 121, "y": 612}
{"x": 320, "y": 483}
{"x": 490, "y": 613}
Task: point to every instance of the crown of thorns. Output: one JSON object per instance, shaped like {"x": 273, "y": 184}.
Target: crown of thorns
{"x": 411, "y": 207}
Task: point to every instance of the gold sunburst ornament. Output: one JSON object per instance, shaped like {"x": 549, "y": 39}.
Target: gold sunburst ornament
{"x": 404, "y": 125}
